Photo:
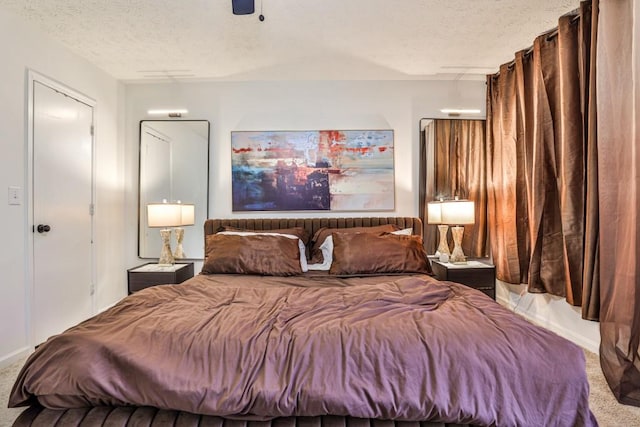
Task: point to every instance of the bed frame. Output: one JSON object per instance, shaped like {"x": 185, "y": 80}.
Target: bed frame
{"x": 311, "y": 225}
{"x": 146, "y": 416}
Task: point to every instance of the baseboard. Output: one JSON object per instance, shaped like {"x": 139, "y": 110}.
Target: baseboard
{"x": 15, "y": 356}
{"x": 536, "y": 318}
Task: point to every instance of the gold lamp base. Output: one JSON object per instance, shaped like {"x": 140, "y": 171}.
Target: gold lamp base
{"x": 457, "y": 256}
{"x": 443, "y": 246}
{"x": 166, "y": 258}
{"x": 179, "y": 253}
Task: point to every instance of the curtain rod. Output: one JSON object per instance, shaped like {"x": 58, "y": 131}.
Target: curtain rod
{"x": 554, "y": 32}
{"x": 575, "y": 16}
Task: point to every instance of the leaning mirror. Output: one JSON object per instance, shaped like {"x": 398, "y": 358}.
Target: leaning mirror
{"x": 453, "y": 157}
{"x": 174, "y": 166}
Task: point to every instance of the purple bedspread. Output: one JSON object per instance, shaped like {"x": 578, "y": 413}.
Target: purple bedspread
{"x": 402, "y": 348}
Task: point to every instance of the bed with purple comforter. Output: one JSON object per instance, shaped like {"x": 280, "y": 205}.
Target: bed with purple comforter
{"x": 313, "y": 349}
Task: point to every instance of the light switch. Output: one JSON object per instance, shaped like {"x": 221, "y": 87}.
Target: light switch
{"x": 15, "y": 195}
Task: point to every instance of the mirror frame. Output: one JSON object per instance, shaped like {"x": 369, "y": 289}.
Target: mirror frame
{"x": 207, "y": 185}
{"x": 427, "y": 178}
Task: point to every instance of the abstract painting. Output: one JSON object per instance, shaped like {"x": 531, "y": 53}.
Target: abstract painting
{"x": 327, "y": 170}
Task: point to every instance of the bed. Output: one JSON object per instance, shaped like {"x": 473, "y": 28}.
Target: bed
{"x": 366, "y": 338}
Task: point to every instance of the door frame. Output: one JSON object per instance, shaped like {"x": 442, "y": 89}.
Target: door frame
{"x": 32, "y": 78}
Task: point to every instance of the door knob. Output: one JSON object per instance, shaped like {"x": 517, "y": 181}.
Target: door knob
{"x": 43, "y": 228}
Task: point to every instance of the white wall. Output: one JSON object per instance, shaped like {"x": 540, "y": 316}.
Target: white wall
{"x": 298, "y": 105}
{"x": 24, "y": 48}
{"x": 295, "y": 105}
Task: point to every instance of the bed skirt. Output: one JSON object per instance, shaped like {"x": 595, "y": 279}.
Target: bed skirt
{"x": 147, "y": 416}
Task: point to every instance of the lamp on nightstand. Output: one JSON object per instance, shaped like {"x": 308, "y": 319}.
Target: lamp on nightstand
{"x": 165, "y": 215}
{"x": 187, "y": 217}
{"x": 434, "y": 216}
{"x": 458, "y": 213}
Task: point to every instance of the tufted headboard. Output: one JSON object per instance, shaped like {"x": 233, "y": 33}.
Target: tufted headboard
{"x": 311, "y": 225}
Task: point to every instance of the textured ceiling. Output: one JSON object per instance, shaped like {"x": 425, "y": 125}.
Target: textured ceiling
{"x": 299, "y": 39}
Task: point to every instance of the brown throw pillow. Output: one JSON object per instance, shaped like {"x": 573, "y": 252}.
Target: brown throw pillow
{"x": 320, "y": 235}
{"x": 372, "y": 253}
{"x": 256, "y": 254}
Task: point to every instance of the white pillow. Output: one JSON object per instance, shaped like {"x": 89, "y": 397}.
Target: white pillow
{"x": 404, "y": 232}
{"x": 327, "y": 255}
{"x": 303, "y": 255}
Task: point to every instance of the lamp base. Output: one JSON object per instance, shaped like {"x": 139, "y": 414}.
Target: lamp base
{"x": 179, "y": 253}
{"x": 457, "y": 256}
{"x": 166, "y": 258}
{"x": 443, "y": 246}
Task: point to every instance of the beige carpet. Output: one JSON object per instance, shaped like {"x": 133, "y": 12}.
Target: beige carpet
{"x": 7, "y": 377}
{"x": 604, "y": 406}
{"x": 608, "y": 412}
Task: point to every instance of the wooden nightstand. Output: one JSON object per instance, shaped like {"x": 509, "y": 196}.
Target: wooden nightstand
{"x": 477, "y": 273}
{"x": 150, "y": 274}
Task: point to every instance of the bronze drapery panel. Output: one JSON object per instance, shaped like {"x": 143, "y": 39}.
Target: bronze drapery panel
{"x": 591, "y": 265}
{"x": 540, "y": 119}
{"x": 528, "y": 129}
{"x": 557, "y": 186}
{"x": 619, "y": 162}
{"x": 506, "y": 192}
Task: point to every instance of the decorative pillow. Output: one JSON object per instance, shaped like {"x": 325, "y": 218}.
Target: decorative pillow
{"x": 269, "y": 255}
{"x": 301, "y": 245}
{"x": 296, "y": 231}
{"x": 320, "y": 236}
{"x": 327, "y": 250}
{"x": 371, "y": 253}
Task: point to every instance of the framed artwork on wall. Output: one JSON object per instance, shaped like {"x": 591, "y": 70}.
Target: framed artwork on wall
{"x": 326, "y": 170}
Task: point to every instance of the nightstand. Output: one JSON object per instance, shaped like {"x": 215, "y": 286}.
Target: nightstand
{"x": 150, "y": 274}
{"x": 476, "y": 273}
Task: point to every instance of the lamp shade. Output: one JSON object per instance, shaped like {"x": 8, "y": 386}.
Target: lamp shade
{"x": 164, "y": 215}
{"x": 458, "y": 212}
{"x": 188, "y": 215}
{"x": 434, "y": 212}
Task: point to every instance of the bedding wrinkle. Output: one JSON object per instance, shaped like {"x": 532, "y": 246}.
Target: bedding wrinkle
{"x": 389, "y": 347}
{"x": 536, "y": 343}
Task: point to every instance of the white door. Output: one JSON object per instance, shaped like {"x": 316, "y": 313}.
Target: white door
{"x": 62, "y": 195}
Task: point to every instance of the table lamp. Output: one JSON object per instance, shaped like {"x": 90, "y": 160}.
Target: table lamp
{"x": 187, "y": 217}
{"x": 165, "y": 215}
{"x": 458, "y": 213}
{"x": 434, "y": 216}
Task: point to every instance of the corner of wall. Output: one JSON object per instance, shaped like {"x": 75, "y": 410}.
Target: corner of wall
{"x": 15, "y": 356}
{"x": 552, "y": 313}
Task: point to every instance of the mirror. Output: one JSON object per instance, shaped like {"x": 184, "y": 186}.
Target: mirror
{"x": 453, "y": 163}
{"x": 174, "y": 166}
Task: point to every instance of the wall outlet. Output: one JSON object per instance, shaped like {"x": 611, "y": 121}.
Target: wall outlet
{"x": 15, "y": 195}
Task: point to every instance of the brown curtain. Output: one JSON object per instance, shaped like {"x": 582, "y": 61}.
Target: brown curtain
{"x": 588, "y": 99}
{"x": 506, "y": 191}
{"x": 539, "y": 119}
{"x": 619, "y": 160}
